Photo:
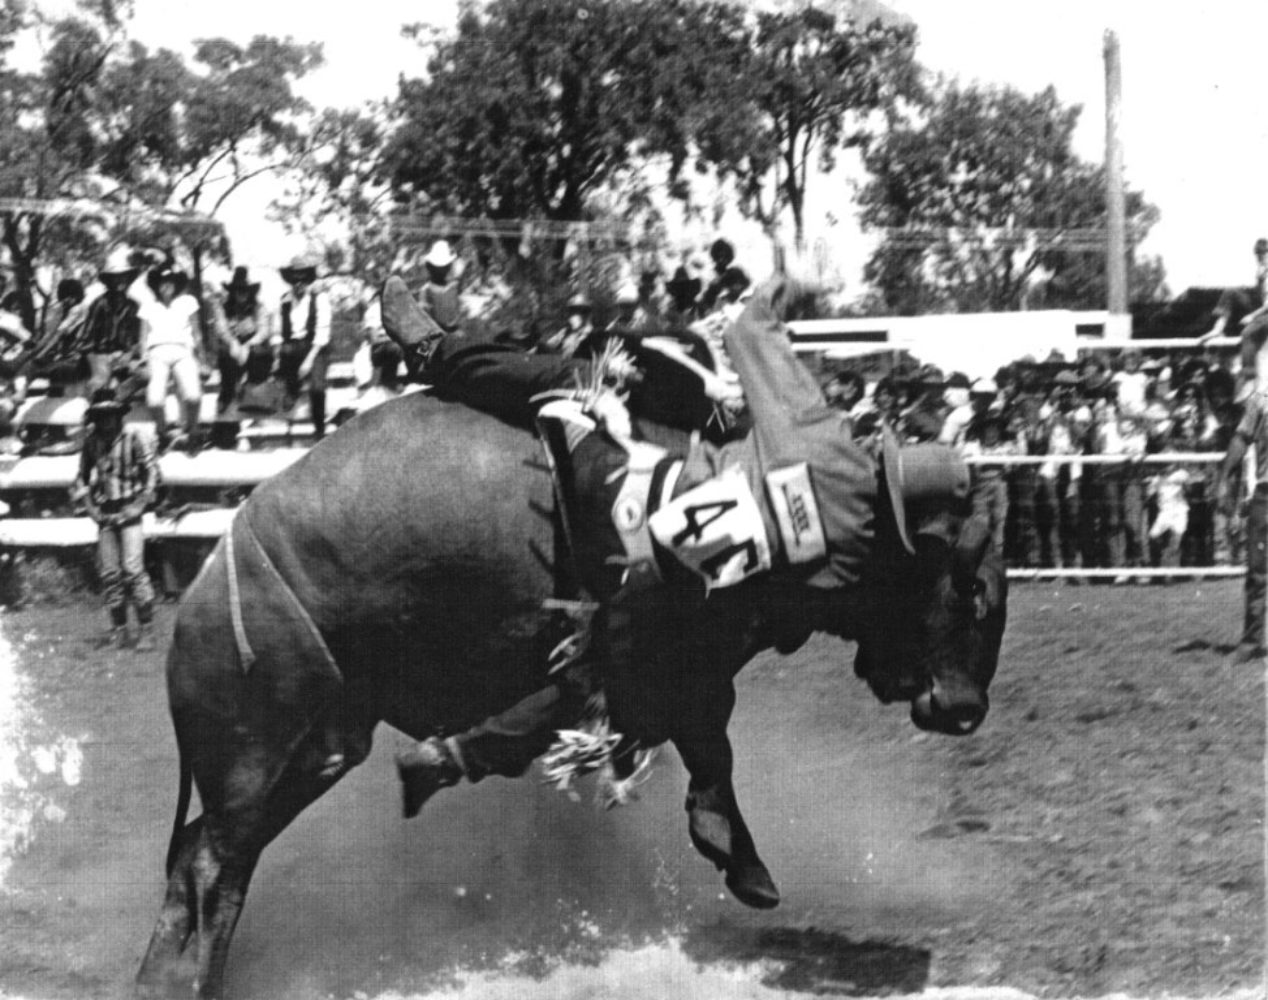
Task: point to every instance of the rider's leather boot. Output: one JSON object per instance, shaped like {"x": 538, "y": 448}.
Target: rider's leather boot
{"x": 409, "y": 325}
{"x": 425, "y": 769}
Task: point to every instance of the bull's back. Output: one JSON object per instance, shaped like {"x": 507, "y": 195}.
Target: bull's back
{"x": 419, "y": 538}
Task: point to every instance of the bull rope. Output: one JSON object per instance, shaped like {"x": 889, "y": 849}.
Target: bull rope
{"x": 245, "y": 653}
{"x": 235, "y": 603}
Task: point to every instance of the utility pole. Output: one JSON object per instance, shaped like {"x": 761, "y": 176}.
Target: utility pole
{"x": 1115, "y": 200}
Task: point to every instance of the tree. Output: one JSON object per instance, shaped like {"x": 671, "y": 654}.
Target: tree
{"x": 985, "y": 206}
{"x": 809, "y": 84}
{"x": 108, "y": 120}
{"x": 533, "y": 106}
{"x": 335, "y": 192}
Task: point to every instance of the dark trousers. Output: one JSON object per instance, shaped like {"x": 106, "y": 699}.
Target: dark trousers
{"x": 508, "y": 743}
{"x": 290, "y": 357}
{"x": 499, "y": 379}
{"x": 1125, "y": 517}
{"x": 1256, "y": 567}
{"x": 230, "y": 376}
{"x": 386, "y": 359}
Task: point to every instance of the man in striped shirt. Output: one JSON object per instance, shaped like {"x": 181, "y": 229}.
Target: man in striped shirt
{"x": 118, "y": 476}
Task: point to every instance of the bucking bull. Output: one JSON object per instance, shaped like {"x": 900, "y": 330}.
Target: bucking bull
{"x": 401, "y": 573}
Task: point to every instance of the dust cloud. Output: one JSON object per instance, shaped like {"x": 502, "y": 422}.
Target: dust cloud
{"x": 510, "y": 882}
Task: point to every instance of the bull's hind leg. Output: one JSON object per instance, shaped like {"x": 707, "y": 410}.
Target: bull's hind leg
{"x": 160, "y": 971}
{"x": 213, "y": 872}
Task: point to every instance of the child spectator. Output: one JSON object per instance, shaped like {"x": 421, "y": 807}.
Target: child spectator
{"x": 1172, "y": 520}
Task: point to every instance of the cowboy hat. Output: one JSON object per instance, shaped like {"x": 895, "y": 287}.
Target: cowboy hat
{"x": 579, "y": 303}
{"x": 239, "y": 283}
{"x": 299, "y": 269}
{"x": 164, "y": 273}
{"x": 440, "y": 255}
{"x": 918, "y": 474}
{"x": 681, "y": 286}
{"x": 119, "y": 267}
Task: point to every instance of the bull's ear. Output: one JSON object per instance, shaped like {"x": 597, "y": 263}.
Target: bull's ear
{"x": 992, "y": 586}
{"x": 970, "y": 549}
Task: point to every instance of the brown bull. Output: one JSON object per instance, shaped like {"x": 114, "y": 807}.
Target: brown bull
{"x": 397, "y": 574}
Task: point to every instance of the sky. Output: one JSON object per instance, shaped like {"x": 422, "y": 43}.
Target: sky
{"x": 1194, "y": 126}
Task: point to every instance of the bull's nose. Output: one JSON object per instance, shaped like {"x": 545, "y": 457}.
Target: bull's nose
{"x": 959, "y": 718}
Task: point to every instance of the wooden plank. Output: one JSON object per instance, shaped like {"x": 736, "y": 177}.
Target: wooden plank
{"x": 207, "y": 468}
{"x": 69, "y": 532}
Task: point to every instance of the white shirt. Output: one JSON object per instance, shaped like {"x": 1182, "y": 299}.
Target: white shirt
{"x": 171, "y": 325}
{"x": 1131, "y": 391}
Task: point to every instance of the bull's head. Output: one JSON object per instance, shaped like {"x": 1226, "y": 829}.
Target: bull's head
{"x": 935, "y": 598}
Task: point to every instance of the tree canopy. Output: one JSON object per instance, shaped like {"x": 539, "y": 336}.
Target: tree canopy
{"x": 809, "y": 83}
{"x": 981, "y": 184}
{"x": 108, "y": 119}
{"x": 534, "y": 105}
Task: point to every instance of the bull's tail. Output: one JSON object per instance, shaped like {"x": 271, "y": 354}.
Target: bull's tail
{"x": 182, "y": 810}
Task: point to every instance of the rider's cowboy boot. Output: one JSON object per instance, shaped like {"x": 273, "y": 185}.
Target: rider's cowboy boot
{"x": 425, "y": 769}
{"x": 407, "y": 323}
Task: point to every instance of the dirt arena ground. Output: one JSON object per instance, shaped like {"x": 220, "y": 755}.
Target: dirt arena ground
{"x": 1102, "y": 834}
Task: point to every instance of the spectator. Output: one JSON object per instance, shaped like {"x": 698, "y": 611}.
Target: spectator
{"x": 1171, "y": 522}
{"x": 13, "y": 332}
{"x": 845, "y": 391}
{"x": 385, "y": 354}
{"x": 1129, "y": 384}
{"x": 169, "y": 343}
{"x": 574, "y": 338}
{"x": 1123, "y": 487}
{"x": 303, "y": 337}
{"x": 729, "y": 281}
{"x": 1244, "y": 312}
{"x": 1252, "y": 430}
{"x": 117, "y": 479}
{"x": 959, "y": 409}
{"x": 440, "y": 297}
{"x": 990, "y": 481}
{"x": 243, "y": 328}
{"x": 112, "y": 325}
{"x": 683, "y": 308}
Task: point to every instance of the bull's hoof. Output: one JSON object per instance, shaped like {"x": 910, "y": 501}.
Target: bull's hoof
{"x": 711, "y": 835}
{"x": 425, "y": 769}
{"x": 752, "y": 885}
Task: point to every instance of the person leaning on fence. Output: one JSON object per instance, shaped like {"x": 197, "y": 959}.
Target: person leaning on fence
{"x": 1253, "y": 430}
{"x": 117, "y": 479}
{"x": 303, "y": 339}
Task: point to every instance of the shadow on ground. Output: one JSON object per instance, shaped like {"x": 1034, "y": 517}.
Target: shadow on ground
{"x": 814, "y": 961}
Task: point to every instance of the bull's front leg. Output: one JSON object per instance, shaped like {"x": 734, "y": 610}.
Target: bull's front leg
{"x": 714, "y": 820}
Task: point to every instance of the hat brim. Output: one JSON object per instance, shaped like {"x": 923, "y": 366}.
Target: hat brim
{"x": 293, "y": 275}
{"x": 106, "y": 410}
{"x": 119, "y": 277}
{"x": 251, "y": 288}
{"x": 439, "y": 261}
